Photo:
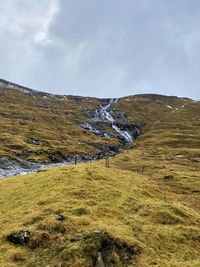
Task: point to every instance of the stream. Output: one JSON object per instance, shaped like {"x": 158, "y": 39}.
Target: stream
{"x": 104, "y": 113}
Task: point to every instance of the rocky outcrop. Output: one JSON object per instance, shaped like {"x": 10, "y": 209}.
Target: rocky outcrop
{"x": 11, "y": 167}
{"x": 17, "y": 166}
{"x": 118, "y": 127}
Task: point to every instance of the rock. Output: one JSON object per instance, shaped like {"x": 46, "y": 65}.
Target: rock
{"x": 118, "y": 115}
{"x": 34, "y": 142}
{"x": 98, "y": 231}
{"x": 179, "y": 156}
{"x": 20, "y": 237}
{"x": 11, "y": 167}
{"x": 60, "y": 217}
{"x": 88, "y": 126}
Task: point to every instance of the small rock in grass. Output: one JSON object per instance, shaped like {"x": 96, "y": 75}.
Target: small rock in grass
{"x": 60, "y": 217}
{"x": 20, "y": 237}
{"x": 98, "y": 231}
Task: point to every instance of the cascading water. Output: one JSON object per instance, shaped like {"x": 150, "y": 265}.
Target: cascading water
{"x": 104, "y": 113}
{"x": 124, "y": 134}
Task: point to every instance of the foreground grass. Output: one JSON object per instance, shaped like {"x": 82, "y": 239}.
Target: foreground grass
{"x": 151, "y": 204}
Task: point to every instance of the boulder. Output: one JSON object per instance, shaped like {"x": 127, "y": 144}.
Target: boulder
{"x": 20, "y": 237}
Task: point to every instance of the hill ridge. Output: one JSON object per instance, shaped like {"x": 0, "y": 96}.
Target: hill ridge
{"x": 11, "y": 85}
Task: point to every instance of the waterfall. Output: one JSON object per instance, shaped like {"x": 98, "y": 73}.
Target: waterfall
{"x": 104, "y": 113}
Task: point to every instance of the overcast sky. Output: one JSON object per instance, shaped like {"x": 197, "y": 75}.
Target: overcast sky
{"x": 104, "y": 48}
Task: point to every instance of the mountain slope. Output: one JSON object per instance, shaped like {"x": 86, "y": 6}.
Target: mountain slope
{"x": 141, "y": 211}
{"x": 43, "y": 127}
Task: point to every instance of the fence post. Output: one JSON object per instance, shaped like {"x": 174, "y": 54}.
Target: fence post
{"x": 107, "y": 163}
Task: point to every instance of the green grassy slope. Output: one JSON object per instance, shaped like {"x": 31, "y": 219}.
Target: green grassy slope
{"x": 147, "y": 202}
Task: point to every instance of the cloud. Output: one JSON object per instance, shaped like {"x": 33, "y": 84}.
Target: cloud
{"x": 42, "y": 35}
{"x": 28, "y": 19}
{"x": 102, "y": 48}
{"x": 24, "y": 29}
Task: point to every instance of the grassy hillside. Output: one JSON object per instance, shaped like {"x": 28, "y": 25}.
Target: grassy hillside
{"x": 52, "y": 121}
{"x": 43, "y": 127}
{"x": 142, "y": 211}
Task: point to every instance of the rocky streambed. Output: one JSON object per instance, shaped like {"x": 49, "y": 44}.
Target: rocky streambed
{"x": 12, "y": 167}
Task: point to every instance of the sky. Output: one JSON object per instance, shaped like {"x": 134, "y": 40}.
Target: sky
{"x": 102, "y": 48}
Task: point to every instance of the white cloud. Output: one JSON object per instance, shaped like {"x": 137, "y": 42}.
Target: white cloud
{"x": 24, "y": 34}
{"x": 29, "y": 20}
{"x": 42, "y": 36}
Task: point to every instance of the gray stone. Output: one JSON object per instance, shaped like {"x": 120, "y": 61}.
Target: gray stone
{"x": 60, "y": 217}
{"x": 20, "y": 237}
